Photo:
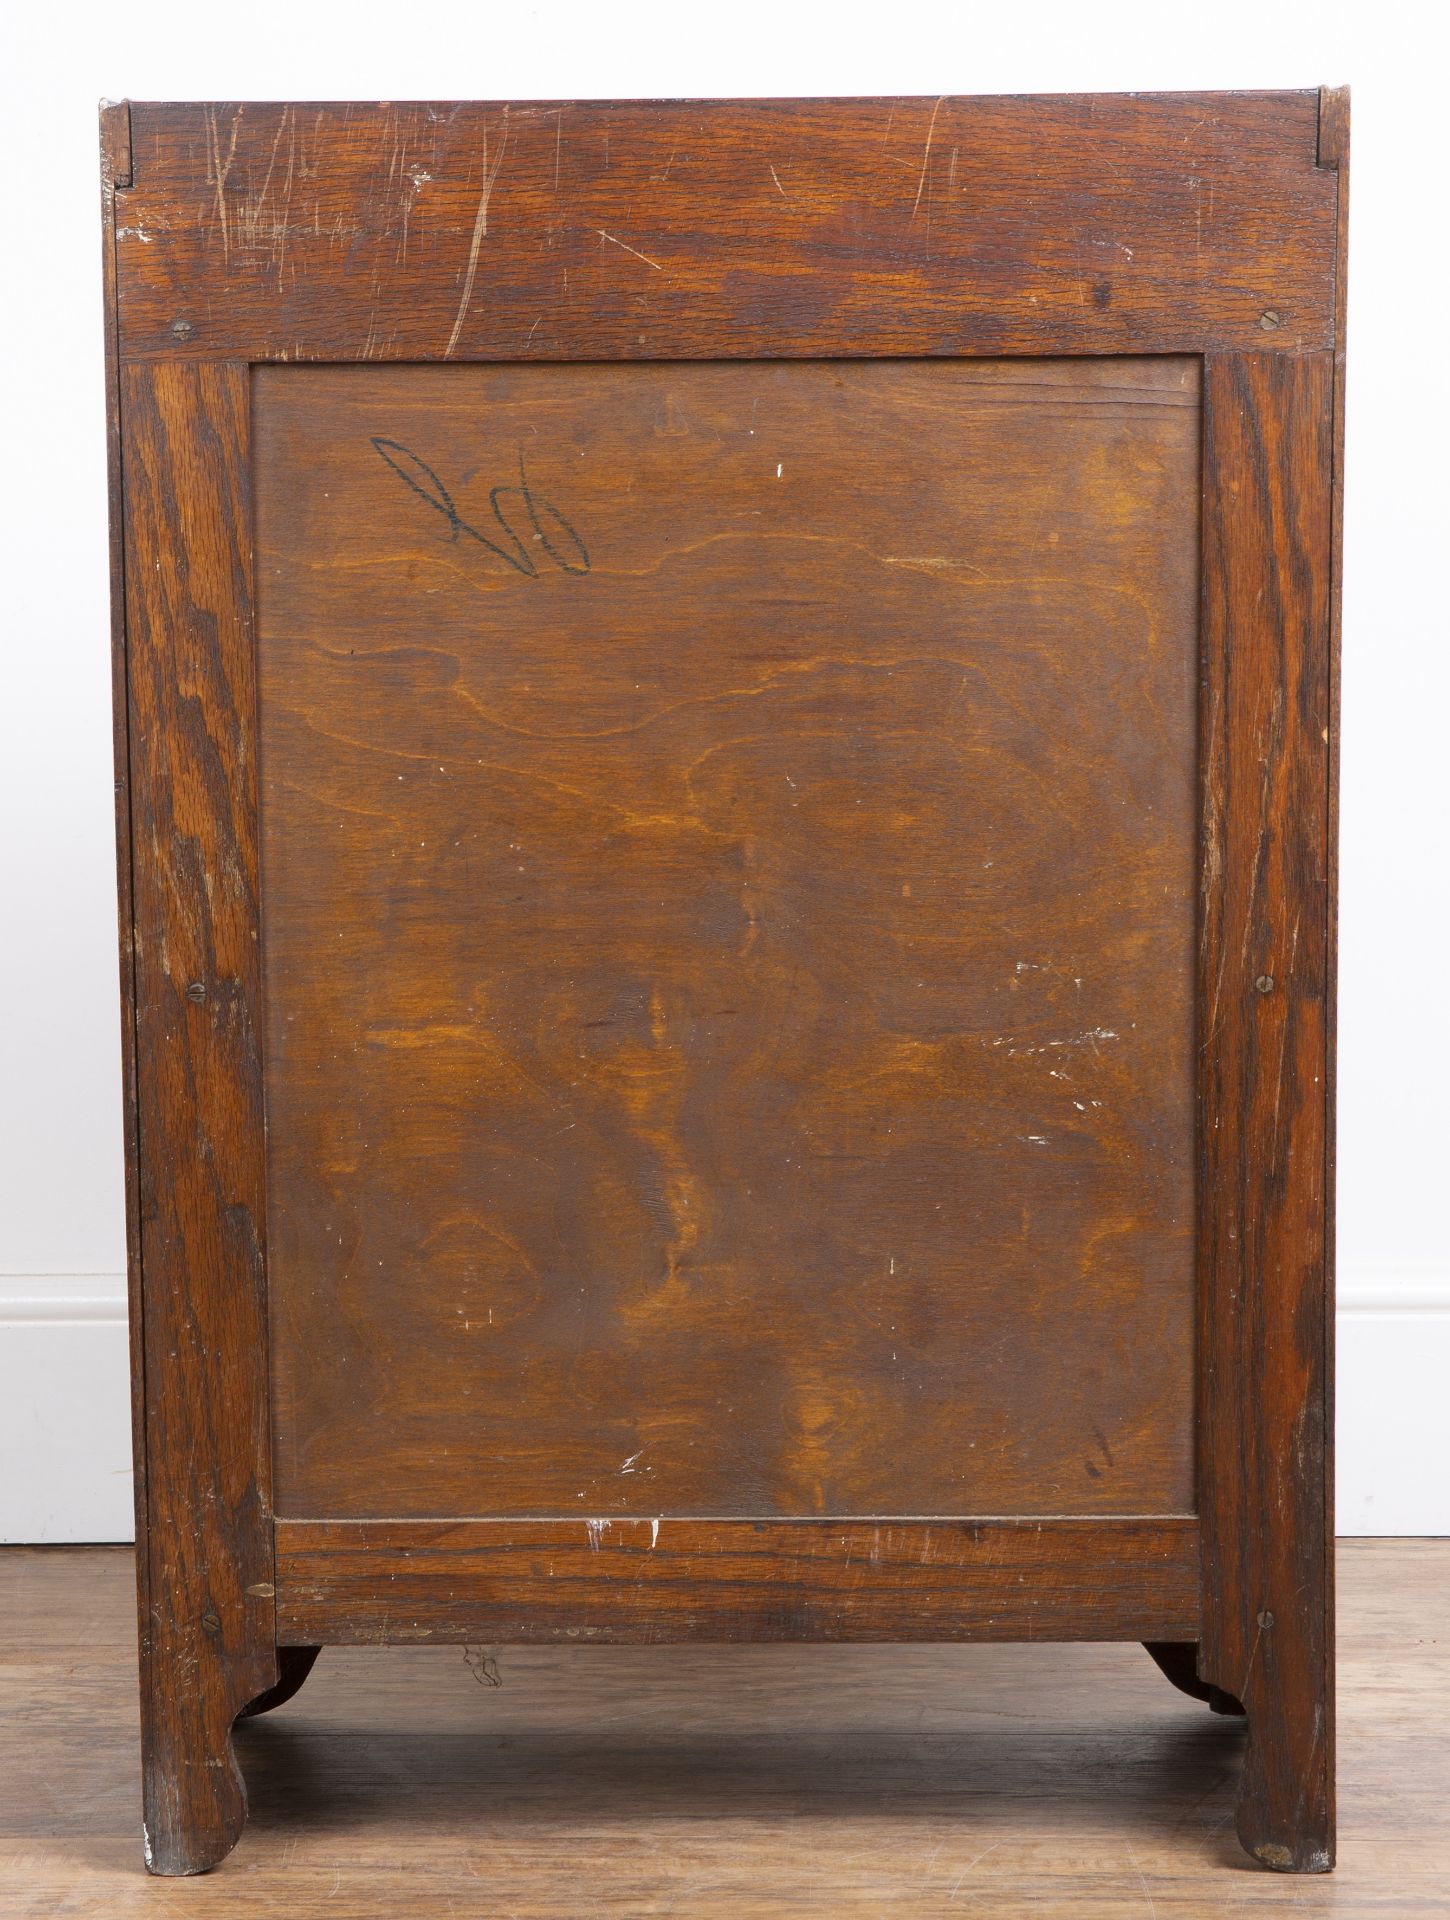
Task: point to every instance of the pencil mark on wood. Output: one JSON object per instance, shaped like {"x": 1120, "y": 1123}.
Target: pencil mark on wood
{"x": 419, "y": 478}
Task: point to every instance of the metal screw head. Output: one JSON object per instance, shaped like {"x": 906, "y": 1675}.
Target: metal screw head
{"x": 197, "y": 990}
{"x": 210, "y": 1623}
{"x": 1270, "y": 319}
{"x": 1266, "y": 1619}
{"x": 182, "y": 329}
{"x": 1265, "y": 983}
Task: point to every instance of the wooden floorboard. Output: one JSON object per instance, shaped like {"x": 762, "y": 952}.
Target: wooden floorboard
{"x": 996, "y": 1781}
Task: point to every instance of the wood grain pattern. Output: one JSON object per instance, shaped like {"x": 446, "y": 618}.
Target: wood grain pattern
{"x": 647, "y": 230}
{"x": 1266, "y": 1326}
{"x": 115, "y": 128}
{"x": 977, "y": 647}
{"x": 729, "y": 1009}
{"x": 1334, "y": 150}
{"x": 208, "y": 1631}
{"x": 683, "y": 1580}
{"x": 725, "y": 1783}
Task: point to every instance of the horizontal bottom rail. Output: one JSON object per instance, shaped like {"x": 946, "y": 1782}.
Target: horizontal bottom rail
{"x": 365, "y": 1582}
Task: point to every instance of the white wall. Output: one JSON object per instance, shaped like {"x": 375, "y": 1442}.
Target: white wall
{"x": 62, "y": 1349}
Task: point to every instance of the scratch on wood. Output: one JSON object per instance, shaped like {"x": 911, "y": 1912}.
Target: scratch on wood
{"x": 250, "y": 220}
{"x": 629, "y": 249}
{"x": 926, "y": 156}
{"x": 218, "y": 169}
{"x": 1264, "y": 1620}
{"x": 480, "y": 228}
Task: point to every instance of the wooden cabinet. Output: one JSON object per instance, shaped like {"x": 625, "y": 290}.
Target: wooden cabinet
{"x": 725, "y": 724}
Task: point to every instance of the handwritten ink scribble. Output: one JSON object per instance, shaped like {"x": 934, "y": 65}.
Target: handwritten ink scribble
{"x": 420, "y": 478}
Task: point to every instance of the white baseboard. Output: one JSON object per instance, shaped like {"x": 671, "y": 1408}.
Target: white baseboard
{"x": 65, "y": 1424}
{"x": 1392, "y": 1363}
{"x": 65, "y": 1412}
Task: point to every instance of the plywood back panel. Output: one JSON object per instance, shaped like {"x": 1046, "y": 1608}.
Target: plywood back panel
{"x": 728, "y": 844}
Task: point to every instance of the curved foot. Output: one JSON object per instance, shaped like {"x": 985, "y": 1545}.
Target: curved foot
{"x": 1177, "y": 1660}
{"x": 1284, "y": 1818}
{"x": 195, "y": 1801}
{"x": 293, "y": 1666}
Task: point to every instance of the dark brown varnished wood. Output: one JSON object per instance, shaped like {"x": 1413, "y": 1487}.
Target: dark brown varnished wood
{"x": 207, "y": 1634}
{"x": 729, "y": 987}
{"x": 1334, "y": 151}
{"x": 742, "y": 1782}
{"x": 1266, "y": 1306}
{"x": 1177, "y": 1661}
{"x": 116, "y": 168}
{"x": 664, "y": 230}
{"x": 608, "y": 1320}
{"x": 294, "y": 1664}
{"x": 682, "y": 1580}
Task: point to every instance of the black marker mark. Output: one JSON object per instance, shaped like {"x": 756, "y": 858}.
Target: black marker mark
{"x": 533, "y": 504}
{"x": 420, "y": 478}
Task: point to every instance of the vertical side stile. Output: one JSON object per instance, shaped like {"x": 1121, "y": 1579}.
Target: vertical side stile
{"x": 1264, "y": 987}
{"x": 209, "y": 1641}
{"x": 115, "y": 130}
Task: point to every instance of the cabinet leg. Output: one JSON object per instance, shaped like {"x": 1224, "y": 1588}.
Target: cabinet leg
{"x": 1285, "y": 1814}
{"x": 194, "y": 1801}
